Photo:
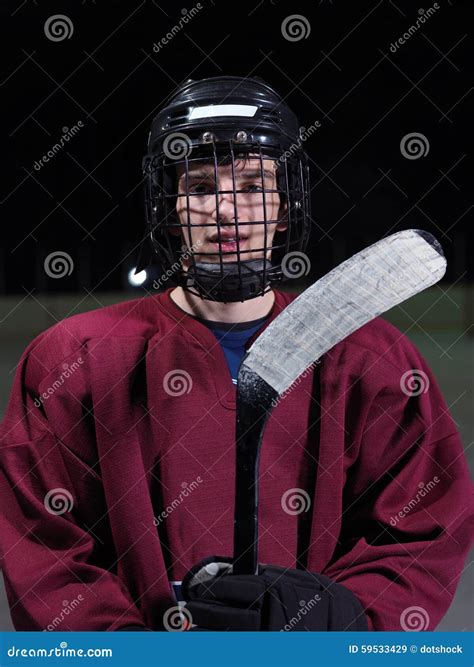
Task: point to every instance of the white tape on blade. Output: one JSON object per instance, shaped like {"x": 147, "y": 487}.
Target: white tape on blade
{"x": 213, "y": 110}
{"x": 358, "y": 290}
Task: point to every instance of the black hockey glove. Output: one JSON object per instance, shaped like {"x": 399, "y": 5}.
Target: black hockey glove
{"x": 276, "y": 599}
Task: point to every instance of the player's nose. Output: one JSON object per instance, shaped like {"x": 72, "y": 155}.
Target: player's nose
{"x": 226, "y": 212}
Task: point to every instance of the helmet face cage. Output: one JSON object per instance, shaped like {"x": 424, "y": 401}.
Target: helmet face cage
{"x": 209, "y": 270}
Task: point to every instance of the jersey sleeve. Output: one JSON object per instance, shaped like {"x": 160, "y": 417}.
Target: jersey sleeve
{"x": 408, "y": 520}
{"x": 58, "y": 572}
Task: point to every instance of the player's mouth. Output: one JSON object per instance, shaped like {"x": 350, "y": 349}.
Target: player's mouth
{"x": 229, "y": 243}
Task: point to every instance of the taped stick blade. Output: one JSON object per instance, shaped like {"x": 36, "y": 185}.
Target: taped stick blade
{"x": 363, "y": 287}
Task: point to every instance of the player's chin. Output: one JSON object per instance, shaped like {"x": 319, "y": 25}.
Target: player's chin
{"x": 234, "y": 257}
{"x": 213, "y": 256}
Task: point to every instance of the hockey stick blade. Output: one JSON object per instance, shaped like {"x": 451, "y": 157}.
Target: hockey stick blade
{"x": 368, "y": 284}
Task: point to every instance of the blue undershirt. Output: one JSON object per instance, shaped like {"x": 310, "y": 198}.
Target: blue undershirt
{"x": 232, "y": 338}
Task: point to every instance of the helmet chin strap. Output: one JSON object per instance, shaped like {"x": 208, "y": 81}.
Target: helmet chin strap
{"x": 230, "y": 286}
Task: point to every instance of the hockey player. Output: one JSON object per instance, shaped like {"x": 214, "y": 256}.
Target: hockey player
{"x": 117, "y": 451}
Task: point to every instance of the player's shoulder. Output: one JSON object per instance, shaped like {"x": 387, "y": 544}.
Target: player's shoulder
{"x": 386, "y": 344}
{"x": 128, "y": 318}
{"x": 136, "y": 318}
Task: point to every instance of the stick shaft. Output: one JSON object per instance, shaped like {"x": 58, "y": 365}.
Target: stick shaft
{"x": 254, "y": 404}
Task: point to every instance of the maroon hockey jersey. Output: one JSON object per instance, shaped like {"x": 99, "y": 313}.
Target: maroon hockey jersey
{"x": 117, "y": 460}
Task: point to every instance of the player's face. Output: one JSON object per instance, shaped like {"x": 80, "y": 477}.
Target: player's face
{"x": 244, "y": 207}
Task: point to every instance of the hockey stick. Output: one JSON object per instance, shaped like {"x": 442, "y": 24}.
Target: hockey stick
{"x": 351, "y": 295}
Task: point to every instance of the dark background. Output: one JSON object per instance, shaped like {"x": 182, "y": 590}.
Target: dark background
{"x": 87, "y": 200}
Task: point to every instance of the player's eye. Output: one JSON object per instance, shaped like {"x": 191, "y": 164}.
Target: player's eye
{"x": 252, "y": 187}
{"x": 201, "y": 189}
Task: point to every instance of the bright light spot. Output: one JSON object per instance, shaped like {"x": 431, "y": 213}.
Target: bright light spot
{"x": 137, "y": 279}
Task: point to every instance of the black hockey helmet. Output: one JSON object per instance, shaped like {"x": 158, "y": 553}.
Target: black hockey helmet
{"x": 225, "y": 120}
